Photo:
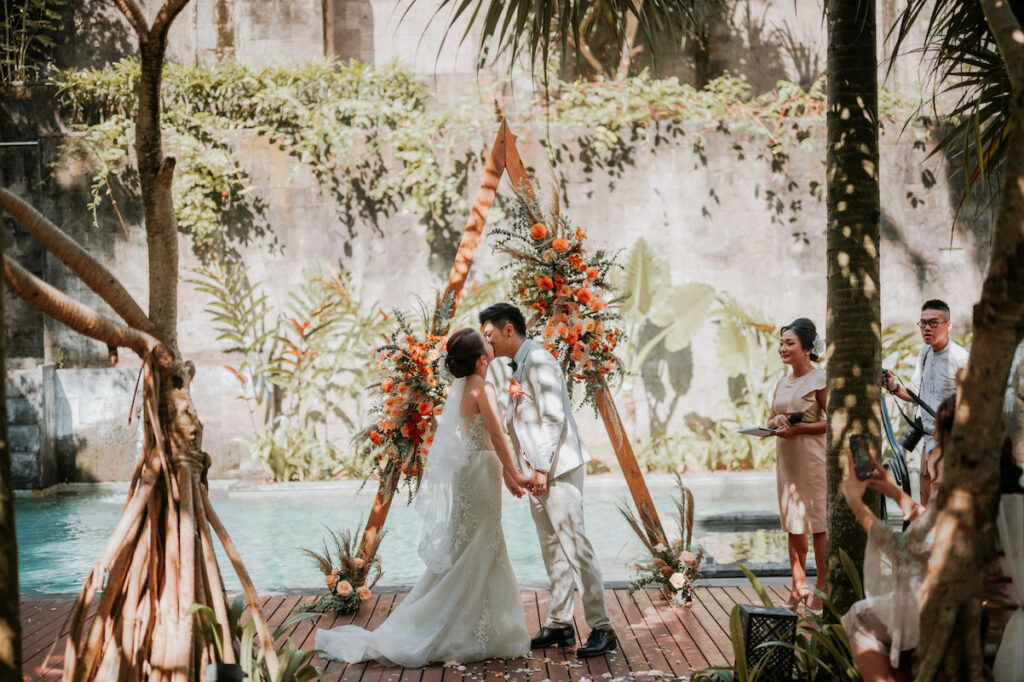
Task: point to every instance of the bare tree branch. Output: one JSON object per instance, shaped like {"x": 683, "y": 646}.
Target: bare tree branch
{"x": 1009, "y": 38}
{"x": 75, "y": 315}
{"x": 135, "y": 17}
{"x": 165, "y": 17}
{"x": 89, "y": 270}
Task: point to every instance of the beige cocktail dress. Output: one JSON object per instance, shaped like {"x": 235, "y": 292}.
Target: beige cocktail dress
{"x": 800, "y": 460}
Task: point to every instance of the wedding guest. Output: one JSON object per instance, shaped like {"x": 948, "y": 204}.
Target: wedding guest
{"x": 884, "y": 626}
{"x": 800, "y": 453}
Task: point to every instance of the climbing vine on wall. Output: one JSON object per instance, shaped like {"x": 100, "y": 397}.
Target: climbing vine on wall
{"x": 371, "y": 136}
{"x": 378, "y": 142}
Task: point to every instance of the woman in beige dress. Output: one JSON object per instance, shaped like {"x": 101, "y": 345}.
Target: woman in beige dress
{"x": 800, "y": 458}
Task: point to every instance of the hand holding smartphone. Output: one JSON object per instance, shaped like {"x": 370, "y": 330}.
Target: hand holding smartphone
{"x": 862, "y": 466}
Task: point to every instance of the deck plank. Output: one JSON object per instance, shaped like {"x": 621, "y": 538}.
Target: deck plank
{"x": 652, "y": 635}
{"x": 641, "y": 630}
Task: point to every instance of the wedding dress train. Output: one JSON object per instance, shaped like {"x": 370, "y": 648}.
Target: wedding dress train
{"x": 466, "y": 606}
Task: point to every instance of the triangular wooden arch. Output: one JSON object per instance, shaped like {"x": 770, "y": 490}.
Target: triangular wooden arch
{"x": 504, "y": 158}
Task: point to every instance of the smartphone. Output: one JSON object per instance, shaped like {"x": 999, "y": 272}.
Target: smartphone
{"x": 862, "y": 466}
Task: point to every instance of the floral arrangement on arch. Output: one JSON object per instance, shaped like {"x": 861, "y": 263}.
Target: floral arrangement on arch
{"x": 673, "y": 565}
{"x": 349, "y": 579}
{"x": 410, "y": 397}
{"x": 566, "y": 287}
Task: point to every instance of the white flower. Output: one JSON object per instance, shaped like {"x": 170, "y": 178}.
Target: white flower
{"x": 818, "y": 347}
{"x": 660, "y": 547}
{"x": 677, "y": 580}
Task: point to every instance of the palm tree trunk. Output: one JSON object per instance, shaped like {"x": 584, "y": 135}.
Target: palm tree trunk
{"x": 951, "y": 647}
{"x": 10, "y": 624}
{"x": 853, "y": 324}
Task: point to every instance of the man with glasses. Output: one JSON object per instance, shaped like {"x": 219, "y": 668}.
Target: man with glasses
{"x": 935, "y": 378}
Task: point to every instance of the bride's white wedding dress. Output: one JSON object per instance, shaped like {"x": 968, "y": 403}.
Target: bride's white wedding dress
{"x": 466, "y": 606}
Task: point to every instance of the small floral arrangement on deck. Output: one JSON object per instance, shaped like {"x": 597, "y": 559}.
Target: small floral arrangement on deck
{"x": 672, "y": 564}
{"x": 410, "y": 396}
{"x": 567, "y": 289}
{"x": 348, "y": 577}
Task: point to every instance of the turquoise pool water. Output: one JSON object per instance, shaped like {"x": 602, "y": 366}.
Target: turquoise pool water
{"x": 61, "y": 534}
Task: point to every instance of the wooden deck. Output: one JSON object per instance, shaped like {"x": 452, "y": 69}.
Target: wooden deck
{"x": 656, "y": 641}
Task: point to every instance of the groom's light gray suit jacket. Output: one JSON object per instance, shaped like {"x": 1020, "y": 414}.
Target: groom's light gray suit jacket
{"x": 540, "y": 419}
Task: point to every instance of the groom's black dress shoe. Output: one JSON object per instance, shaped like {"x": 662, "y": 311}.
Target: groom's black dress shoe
{"x": 598, "y": 643}
{"x": 553, "y": 637}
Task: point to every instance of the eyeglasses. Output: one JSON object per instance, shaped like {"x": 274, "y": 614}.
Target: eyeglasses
{"x": 930, "y": 324}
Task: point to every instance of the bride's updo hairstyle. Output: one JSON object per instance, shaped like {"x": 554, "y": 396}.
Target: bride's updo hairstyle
{"x": 464, "y": 347}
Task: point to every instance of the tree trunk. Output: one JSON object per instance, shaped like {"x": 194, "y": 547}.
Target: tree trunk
{"x": 701, "y": 59}
{"x": 10, "y": 624}
{"x": 853, "y": 324}
{"x": 155, "y": 174}
{"x": 968, "y": 500}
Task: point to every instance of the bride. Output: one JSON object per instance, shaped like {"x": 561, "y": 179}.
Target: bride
{"x": 466, "y": 606}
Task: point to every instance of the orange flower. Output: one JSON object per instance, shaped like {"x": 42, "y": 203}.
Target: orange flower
{"x": 358, "y": 563}
{"x": 402, "y": 387}
{"x": 580, "y": 234}
{"x": 561, "y": 244}
{"x": 344, "y": 588}
{"x": 545, "y": 283}
{"x": 589, "y": 324}
{"x": 564, "y": 291}
{"x": 387, "y": 385}
{"x": 571, "y": 338}
{"x": 514, "y": 389}
{"x": 559, "y": 280}
{"x": 364, "y": 593}
{"x": 426, "y": 407}
{"x": 331, "y": 580}
{"x": 538, "y": 231}
{"x": 376, "y": 438}
{"x": 549, "y": 331}
{"x": 592, "y": 273}
{"x": 408, "y": 429}
{"x": 583, "y": 295}
{"x": 551, "y": 349}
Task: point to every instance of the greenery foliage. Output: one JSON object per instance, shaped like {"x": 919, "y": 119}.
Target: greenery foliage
{"x": 301, "y": 368}
{"x": 294, "y": 664}
{"x": 29, "y": 30}
{"x": 371, "y": 136}
{"x": 374, "y": 138}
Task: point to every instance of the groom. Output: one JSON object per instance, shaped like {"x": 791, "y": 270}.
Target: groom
{"x": 550, "y": 450}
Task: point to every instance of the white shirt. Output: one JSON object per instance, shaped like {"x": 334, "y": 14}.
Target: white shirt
{"x": 935, "y": 379}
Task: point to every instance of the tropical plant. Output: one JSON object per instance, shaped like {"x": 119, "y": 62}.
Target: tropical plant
{"x": 301, "y": 368}
{"x": 29, "y": 30}
{"x": 246, "y": 650}
{"x": 349, "y": 577}
{"x": 821, "y": 647}
{"x": 147, "y": 586}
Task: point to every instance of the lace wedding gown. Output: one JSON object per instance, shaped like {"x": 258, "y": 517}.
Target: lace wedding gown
{"x": 466, "y": 611}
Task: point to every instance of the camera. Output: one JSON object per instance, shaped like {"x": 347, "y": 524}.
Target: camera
{"x": 914, "y": 436}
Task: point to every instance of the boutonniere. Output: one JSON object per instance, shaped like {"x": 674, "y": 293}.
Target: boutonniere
{"x": 514, "y": 389}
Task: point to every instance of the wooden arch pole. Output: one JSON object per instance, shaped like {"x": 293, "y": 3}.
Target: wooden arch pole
{"x": 504, "y": 157}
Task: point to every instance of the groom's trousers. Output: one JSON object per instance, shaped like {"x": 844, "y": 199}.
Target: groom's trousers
{"x": 568, "y": 554}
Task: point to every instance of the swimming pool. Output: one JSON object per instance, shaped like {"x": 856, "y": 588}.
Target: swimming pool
{"x": 61, "y": 533}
